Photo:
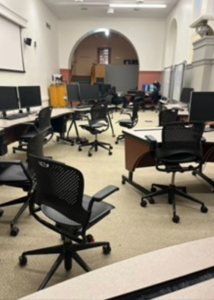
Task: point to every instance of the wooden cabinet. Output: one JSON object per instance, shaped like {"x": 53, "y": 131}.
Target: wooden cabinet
{"x": 56, "y": 95}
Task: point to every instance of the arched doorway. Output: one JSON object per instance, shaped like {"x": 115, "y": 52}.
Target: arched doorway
{"x": 120, "y": 58}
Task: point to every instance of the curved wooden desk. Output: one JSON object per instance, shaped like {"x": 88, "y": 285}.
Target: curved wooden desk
{"x": 138, "y": 273}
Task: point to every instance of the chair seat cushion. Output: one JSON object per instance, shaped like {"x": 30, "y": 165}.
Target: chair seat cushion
{"x": 28, "y": 136}
{"x": 126, "y": 123}
{"x": 177, "y": 156}
{"x": 99, "y": 210}
{"x": 13, "y": 173}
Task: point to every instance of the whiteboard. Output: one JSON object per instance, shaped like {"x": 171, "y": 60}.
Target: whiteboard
{"x": 166, "y": 82}
{"x": 11, "y": 57}
{"x": 178, "y": 75}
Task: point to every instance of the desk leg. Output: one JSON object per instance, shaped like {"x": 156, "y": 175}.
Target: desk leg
{"x": 77, "y": 138}
{"x": 110, "y": 122}
{"x": 139, "y": 187}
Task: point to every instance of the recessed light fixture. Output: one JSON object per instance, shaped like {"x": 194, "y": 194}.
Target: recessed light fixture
{"x": 137, "y": 5}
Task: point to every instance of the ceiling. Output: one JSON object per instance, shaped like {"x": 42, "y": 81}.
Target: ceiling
{"x": 69, "y": 9}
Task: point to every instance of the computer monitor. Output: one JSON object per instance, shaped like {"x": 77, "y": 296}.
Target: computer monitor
{"x": 151, "y": 88}
{"x": 8, "y": 99}
{"x": 202, "y": 107}
{"x": 145, "y": 88}
{"x": 148, "y": 88}
{"x": 186, "y": 95}
{"x": 29, "y": 96}
{"x": 89, "y": 92}
{"x": 73, "y": 93}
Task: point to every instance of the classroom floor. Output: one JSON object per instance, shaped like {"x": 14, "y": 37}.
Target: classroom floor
{"x": 131, "y": 229}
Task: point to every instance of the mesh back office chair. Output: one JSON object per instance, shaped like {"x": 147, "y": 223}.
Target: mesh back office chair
{"x": 42, "y": 123}
{"x": 180, "y": 151}
{"x": 129, "y": 123}
{"x": 167, "y": 116}
{"x": 60, "y": 195}
{"x": 97, "y": 124}
{"x": 15, "y": 173}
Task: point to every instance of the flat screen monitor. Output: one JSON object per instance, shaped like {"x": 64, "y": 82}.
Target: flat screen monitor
{"x": 148, "y": 88}
{"x": 145, "y": 88}
{"x": 89, "y": 92}
{"x": 186, "y": 95}
{"x": 202, "y": 107}
{"x": 8, "y": 98}
{"x": 73, "y": 93}
{"x": 29, "y": 96}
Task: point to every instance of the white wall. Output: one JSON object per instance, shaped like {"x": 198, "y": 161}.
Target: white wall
{"x": 183, "y": 14}
{"x": 146, "y": 35}
{"x": 41, "y": 61}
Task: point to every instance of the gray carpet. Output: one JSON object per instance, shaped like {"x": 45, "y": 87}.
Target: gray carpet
{"x": 131, "y": 229}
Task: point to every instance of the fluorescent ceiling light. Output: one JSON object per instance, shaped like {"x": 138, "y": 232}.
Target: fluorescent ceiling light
{"x": 116, "y": 5}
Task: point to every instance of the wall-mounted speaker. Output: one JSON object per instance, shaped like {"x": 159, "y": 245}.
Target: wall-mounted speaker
{"x": 28, "y": 41}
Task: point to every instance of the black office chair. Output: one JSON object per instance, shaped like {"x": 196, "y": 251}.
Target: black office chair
{"x": 97, "y": 124}
{"x": 43, "y": 122}
{"x": 167, "y": 116}
{"x": 18, "y": 174}
{"x": 60, "y": 195}
{"x": 180, "y": 151}
{"x": 131, "y": 122}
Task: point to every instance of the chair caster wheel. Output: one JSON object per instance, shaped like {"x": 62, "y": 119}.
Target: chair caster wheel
{"x": 204, "y": 209}
{"x": 116, "y": 142}
{"x": 153, "y": 189}
{"x": 110, "y": 147}
{"x": 89, "y": 154}
{"x": 1, "y": 212}
{"x": 194, "y": 173}
{"x": 14, "y": 231}
{"x": 22, "y": 261}
{"x": 143, "y": 203}
{"x": 123, "y": 181}
{"x": 79, "y": 149}
{"x": 106, "y": 249}
{"x": 90, "y": 238}
{"x": 110, "y": 153}
{"x": 151, "y": 200}
{"x": 175, "y": 219}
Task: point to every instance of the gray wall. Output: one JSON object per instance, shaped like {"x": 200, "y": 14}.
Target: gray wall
{"x": 124, "y": 77}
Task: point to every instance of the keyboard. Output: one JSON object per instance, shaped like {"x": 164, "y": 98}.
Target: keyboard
{"x": 16, "y": 116}
{"x": 84, "y": 106}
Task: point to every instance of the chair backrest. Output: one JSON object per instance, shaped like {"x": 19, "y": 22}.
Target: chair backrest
{"x": 44, "y": 118}
{"x": 35, "y": 147}
{"x": 99, "y": 113}
{"x": 60, "y": 187}
{"x": 183, "y": 136}
{"x": 167, "y": 116}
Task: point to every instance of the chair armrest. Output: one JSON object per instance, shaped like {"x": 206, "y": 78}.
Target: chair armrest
{"x": 102, "y": 194}
{"x": 126, "y": 113}
{"x": 31, "y": 124}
